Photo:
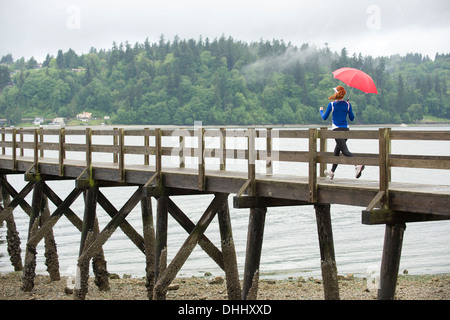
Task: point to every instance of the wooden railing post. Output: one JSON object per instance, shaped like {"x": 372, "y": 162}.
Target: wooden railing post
{"x": 251, "y": 161}
{"x": 146, "y": 144}
{"x": 61, "y": 151}
{"x": 158, "y": 155}
{"x": 115, "y": 143}
{"x": 201, "y": 158}
{"x": 89, "y": 150}
{"x": 323, "y": 148}
{"x": 13, "y": 151}
{"x": 121, "y": 154}
{"x": 269, "y": 163}
{"x": 385, "y": 171}
{"x": 36, "y": 151}
{"x": 182, "y": 156}
{"x": 41, "y": 139}
{"x": 312, "y": 178}
{"x": 3, "y": 140}
{"x": 21, "y": 140}
{"x": 223, "y": 148}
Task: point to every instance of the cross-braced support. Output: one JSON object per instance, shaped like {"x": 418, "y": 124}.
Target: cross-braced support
{"x": 218, "y": 205}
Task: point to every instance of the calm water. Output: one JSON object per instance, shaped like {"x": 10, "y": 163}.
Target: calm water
{"x": 290, "y": 247}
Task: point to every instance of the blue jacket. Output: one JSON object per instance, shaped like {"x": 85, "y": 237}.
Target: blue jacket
{"x": 340, "y": 109}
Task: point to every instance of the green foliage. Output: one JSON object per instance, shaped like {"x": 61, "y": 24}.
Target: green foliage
{"x": 219, "y": 82}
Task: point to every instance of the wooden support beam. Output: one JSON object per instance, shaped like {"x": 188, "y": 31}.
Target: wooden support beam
{"x": 327, "y": 256}
{"x": 149, "y": 244}
{"x": 89, "y": 233}
{"x": 161, "y": 234}
{"x": 390, "y": 261}
{"x": 229, "y": 253}
{"x": 180, "y": 258}
{"x": 30, "y": 253}
{"x": 265, "y": 202}
{"x": 12, "y": 235}
{"x": 51, "y": 252}
{"x": 393, "y": 217}
{"x": 253, "y": 252}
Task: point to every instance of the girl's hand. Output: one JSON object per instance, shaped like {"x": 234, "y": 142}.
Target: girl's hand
{"x": 321, "y": 109}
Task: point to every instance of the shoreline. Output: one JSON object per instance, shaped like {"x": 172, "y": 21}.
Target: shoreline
{"x": 409, "y": 287}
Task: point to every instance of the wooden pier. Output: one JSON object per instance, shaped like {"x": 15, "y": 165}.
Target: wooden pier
{"x": 158, "y": 164}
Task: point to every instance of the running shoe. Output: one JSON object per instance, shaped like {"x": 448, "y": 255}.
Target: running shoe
{"x": 358, "y": 170}
{"x": 329, "y": 174}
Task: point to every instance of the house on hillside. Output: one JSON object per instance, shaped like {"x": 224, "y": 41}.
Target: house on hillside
{"x": 59, "y": 122}
{"x": 38, "y": 121}
{"x": 85, "y": 116}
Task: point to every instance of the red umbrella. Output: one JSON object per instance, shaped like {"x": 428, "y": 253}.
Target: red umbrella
{"x": 356, "y": 78}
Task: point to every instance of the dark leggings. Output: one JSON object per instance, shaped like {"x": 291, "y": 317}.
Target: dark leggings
{"x": 341, "y": 146}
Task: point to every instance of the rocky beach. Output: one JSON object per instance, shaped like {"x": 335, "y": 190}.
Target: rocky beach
{"x": 409, "y": 287}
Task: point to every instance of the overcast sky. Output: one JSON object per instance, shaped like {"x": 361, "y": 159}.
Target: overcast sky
{"x": 37, "y": 27}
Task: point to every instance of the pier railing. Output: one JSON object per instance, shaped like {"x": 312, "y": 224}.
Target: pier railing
{"x": 200, "y": 145}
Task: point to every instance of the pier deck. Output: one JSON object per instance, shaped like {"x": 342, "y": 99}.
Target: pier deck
{"x": 45, "y": 154}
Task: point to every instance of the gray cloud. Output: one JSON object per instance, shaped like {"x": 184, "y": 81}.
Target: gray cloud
{"x": 35, "y": 28}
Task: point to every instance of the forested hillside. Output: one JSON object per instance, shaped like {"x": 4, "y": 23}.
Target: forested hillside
{"x": 219, "y": 82}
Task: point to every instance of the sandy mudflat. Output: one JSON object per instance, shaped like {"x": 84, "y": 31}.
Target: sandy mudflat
{"x": 409, "y": 287}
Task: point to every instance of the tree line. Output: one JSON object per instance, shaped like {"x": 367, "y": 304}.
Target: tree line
{"x": 219, "y": 82}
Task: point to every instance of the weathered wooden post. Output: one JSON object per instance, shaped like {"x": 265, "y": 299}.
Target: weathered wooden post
{"x": 229, "y": 253}
{"x": 253, "y": 252}
{"x": 87, "y": 236}
{"x": 51, "y": 253}
{"x": 390, "y": 261}
{"x": 161, "y": 234}
{"x": 30, "y": 253}
{"x": 89, "y": 232}
{"x": 149, "y": 243}
{"x": 327, "y": 256}
{"x": 12, "y": 237}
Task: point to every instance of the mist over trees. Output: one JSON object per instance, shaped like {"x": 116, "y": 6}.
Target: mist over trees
{"x": 219, "y": 82}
